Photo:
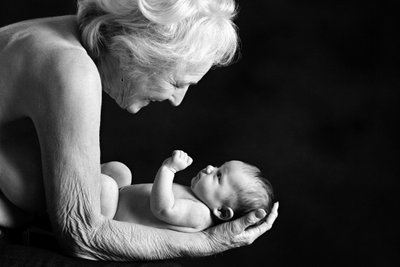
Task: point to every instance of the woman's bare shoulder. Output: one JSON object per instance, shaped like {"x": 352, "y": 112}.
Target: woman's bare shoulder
{"x": 40, "y": 34}
{"x": 71, "y": 85}
{"x": 47, "y": 50}
{"x": 54, "y": 66}
{"x": 58, "y": 43}
{"x": 72, "y": 67}
{"x": 72, "y": 78}
{"x": 65, "y": 76}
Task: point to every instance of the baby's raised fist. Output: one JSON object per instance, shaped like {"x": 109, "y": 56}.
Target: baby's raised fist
{"x": 180, "y": 160}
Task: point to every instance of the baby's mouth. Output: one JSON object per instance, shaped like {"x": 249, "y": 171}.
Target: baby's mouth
{"x": 195, "y": 179}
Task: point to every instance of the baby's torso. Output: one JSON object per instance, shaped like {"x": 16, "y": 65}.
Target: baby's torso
{"x": 134, "y": 206}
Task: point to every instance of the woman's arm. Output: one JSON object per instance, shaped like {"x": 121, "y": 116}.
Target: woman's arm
{"x": 67, "y": 118}
{"x": 150, "y": 243}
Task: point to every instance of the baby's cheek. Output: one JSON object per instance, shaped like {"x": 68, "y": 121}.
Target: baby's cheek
{"x": 202, "y": 191}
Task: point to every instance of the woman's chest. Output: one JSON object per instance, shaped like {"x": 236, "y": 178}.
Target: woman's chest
{"x": 20, "y": 165}
{"x": 19, "y": 141}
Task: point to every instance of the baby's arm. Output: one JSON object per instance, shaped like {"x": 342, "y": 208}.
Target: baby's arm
{"x": 180, "y": 212}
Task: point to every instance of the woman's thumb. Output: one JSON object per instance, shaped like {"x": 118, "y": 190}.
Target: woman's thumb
{"x": 247, "y": 220}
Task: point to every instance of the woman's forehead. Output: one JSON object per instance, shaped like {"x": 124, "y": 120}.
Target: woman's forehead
{"x": 182, "y": 75}
{"x": 192, "y": 69}
{"x": 185, "y": 76}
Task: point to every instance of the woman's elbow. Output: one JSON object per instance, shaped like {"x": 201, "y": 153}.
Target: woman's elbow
{"x": 75, "y": 236}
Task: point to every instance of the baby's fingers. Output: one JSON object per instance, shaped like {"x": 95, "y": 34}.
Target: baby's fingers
{"x": 185, "y": 156}
{"x": 179, "y": 154}
{"x": 176, "y": 153}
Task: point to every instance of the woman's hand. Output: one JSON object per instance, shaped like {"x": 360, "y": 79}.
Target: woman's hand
{"x": 241, "y": 232}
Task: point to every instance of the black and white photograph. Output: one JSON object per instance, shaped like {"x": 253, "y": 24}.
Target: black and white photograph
{"x": 199, "y": 133}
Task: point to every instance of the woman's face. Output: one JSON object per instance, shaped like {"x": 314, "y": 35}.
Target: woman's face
{"x": 169, "y": 86}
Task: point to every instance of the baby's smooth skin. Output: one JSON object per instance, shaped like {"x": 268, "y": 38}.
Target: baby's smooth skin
{"x": 172, "y": 206}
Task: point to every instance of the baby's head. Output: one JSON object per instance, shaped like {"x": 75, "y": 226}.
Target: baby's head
{"x": 233, "y": 189}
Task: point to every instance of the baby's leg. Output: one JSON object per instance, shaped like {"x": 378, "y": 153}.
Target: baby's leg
{"x": 114, "y": 175}
{"x": 108, "y": 196}
{"x": 118, "y": 171}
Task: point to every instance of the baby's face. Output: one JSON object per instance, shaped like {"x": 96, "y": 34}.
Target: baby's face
{"x": 213, "y": 185}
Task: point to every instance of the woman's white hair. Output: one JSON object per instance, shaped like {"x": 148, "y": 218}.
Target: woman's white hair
{"x": 152, "y": 36}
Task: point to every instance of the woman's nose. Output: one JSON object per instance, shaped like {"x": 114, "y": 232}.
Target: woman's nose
{"x": 178, "y": 95}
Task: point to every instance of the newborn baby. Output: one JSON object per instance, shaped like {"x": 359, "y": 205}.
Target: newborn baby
{"x": 216, "y": 194}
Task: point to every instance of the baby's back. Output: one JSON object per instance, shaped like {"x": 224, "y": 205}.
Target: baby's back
{"x": 134, "y": 206}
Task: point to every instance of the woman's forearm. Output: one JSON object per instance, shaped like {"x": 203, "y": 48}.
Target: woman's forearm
{"x": 83, "y": 232}
{"x": 121, "y": 241}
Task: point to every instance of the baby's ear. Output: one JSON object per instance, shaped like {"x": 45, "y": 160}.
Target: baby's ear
{"x": 223, "y": 213}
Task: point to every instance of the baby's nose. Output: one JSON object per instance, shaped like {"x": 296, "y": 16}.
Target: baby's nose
{"x": 209, "y": 169}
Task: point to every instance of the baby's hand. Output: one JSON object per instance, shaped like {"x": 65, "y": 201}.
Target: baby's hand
{"x": 179, "y": 160}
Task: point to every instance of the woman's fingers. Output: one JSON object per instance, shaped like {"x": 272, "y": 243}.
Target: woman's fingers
{"x": 272, "y": 216}
{"x": 245, "y": 234}
{"x": 254, "y": 232}
{"x": 240, "y": 232}
{"x": 240, "y": 225}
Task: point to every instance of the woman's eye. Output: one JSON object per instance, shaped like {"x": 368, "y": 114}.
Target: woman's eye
{"x": 178, "y": 86}
{"x": 174, "y": 84}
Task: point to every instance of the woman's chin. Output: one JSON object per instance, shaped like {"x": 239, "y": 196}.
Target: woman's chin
{"x": 134, "y": 109}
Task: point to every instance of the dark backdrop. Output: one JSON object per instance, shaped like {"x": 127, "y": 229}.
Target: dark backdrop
{"x": 313, "y": 101}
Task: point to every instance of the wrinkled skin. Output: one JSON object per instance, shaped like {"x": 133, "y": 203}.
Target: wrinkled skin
{"x": 50, "y": 108}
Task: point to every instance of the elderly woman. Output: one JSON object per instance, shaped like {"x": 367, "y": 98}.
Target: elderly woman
{"x": 52, "y": 73}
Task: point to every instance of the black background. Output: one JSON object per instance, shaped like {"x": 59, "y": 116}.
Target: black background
{"x": 313, "y": 101}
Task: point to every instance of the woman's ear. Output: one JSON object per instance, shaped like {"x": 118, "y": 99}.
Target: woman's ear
{"x": 223, "y": 213}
